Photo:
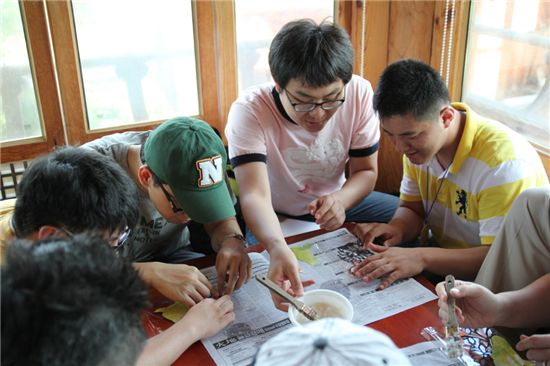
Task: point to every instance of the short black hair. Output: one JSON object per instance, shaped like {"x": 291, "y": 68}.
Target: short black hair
{"x": 70, "y": 302}
{"x": 156, "y": 180}
{"x": 317, "y": 55}
{"x": 410, "y": 87}
{"x": 77, "y": 189}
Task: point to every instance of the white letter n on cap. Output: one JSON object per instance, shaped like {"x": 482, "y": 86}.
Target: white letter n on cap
{"x": 210, "y": 171}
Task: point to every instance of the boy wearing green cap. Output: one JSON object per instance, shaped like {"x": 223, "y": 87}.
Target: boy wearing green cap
{"x": 179, "y": 169}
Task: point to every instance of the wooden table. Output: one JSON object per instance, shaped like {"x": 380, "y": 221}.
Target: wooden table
{"x": 403, "y": 328}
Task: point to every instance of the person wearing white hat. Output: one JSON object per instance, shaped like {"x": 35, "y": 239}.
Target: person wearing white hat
{"x": 330, "y": 341}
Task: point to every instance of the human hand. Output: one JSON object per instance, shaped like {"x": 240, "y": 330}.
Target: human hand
{"x": 283, "y": 270}
{"x": 537, "y": 346}
{"x": 233, "y": 264}
{"x": 178, "y": 282}
{"x": 209, "y": 316}
{"x": 328, "y": 211}
{"x": 476, "y": 306}
{"x": 368, "y": 232}
{"x": 388, "y": 264}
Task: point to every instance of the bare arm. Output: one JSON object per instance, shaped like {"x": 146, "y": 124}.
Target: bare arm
{"x": 178, "y": 282}
{"x": 408, "y": 219}
{"x": 479, "y": 307}
{"x": 255, "y": 196}
{"x": 201, "y": 321}
{"x": 330, "y": 210}
{"x": 220, "y": 230}
{"x": 166, "y": 347}
{"x": 363, "y": 174}
{"x": 405, "y": 225}
{"x": 533, "y": 301}
{"x": 462, "y": 263}
{"x": 392, "y": 263}
{"x": 232, "y": 262}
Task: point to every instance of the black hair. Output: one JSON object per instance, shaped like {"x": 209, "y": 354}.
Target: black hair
{"x": 156, "y": 180}
{"x": 410, "y": 87}
{"x": 77, "y": 189}
{"x": 70, "y": 302}
{"x": 316, "y": 55}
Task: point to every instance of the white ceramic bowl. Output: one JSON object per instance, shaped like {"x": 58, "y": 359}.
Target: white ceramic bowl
{"x": 333, "y": 305}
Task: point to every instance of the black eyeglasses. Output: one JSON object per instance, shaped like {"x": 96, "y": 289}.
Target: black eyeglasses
{"x": 308, "y": 107}
{"x": 121, "y": 239}
{"x": 171, "y": 200}
{"x": 173, "y": 203}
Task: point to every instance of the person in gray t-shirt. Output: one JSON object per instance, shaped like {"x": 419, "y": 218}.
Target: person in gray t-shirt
{"x": 179, "y": 169}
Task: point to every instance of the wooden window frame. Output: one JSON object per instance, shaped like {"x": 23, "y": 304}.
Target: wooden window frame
{"x": 60, "y": 81}
{"x": 54, "y": 59}
{"x": 43, "y": 71}
{"x": 213, "y": 39}
{"x": 49, "y": 26}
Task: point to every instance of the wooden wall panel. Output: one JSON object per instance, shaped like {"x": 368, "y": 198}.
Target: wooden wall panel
{"x": 226, "y": 46}
{"x": 411, "y": 28}
{"x": 409, "y": 35}
{"x": 344, "y": 14}
{"x": 376, "y": 40}
{"x": 206, "y": 60}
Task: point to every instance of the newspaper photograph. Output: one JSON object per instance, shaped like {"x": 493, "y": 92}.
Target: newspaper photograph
{"x": 327, "y": 259}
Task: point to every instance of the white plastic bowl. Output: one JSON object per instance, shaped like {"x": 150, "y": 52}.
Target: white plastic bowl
{"x": 338, "y": 306}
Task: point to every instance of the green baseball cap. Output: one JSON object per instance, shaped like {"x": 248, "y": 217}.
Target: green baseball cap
{"x": 188, "y": 155}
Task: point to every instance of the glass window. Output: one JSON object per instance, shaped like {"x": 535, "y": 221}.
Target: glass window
{"x": 257, "y": 22}
{"x": 508, "y": 65}
{"x": 137, "y": 60}
{"x": 19, "y": 115}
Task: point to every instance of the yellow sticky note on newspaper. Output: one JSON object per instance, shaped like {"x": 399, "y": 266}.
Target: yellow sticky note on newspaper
{"x": 173, "y": 312}
{"x": 303, "y": 253}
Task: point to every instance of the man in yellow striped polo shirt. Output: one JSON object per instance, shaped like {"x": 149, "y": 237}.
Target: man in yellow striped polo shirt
{"x": 462, "y": 172}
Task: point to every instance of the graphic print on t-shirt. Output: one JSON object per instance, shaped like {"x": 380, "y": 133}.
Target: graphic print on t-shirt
{"x": 316, "y": 163}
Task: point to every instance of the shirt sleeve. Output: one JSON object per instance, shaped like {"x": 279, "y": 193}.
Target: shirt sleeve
{"x": 245, "y": 135}
{"x": 495, "y": 201}
{"x": 409, "y": 190}
{"x": 366, "y": 129}
{"x": 109, "y": 147}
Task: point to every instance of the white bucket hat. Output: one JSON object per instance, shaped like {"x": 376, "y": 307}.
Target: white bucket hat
{"x": 331, "y": 341}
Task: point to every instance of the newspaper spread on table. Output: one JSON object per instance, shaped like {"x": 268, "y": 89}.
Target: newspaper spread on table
{"x": 326, "y": 259}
